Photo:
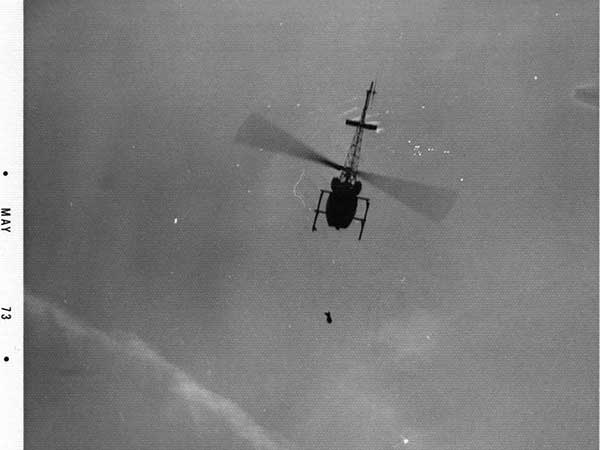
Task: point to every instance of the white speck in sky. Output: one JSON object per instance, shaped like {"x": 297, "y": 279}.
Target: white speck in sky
{"x": 280, "y": 24}
{"x": 387, "y": 111}
{"x": 422, "y": 106}
{"x": 249, "y": 191}
{"x": 268, "y": 106}
{"x": 409, "y": 141}
{"x": 71, "y": 204}
{"x": 556, "y": 14}
{"x": 237, "y": 165}
{"x": 462, "y": 179}
{"x": 175, "y": 220}
{"x": 446, "y": 152}
{"x": 297, "y": 105}
{"x": 535, "y": 77}
{"x": 404, "y": 441}
{"x": 428, "y": 337}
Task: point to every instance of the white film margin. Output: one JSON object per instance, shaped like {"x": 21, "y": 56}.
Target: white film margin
{"x": 11, "y": 228}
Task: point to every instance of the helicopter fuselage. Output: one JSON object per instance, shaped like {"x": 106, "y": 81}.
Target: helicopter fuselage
{"x": 342, "y": 203}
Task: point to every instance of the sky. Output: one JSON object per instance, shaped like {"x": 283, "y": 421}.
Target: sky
{"x": 175, "y": 294}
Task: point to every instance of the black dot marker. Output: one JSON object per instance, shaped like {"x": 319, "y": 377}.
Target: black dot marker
{"x": 6, "y": 359}
{"x": 5, "y": 173}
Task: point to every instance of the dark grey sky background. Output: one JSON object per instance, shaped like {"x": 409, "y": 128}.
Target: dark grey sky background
{"x": 175, "y": 290}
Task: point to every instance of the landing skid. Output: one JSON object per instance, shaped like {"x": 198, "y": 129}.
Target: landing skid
{"x": 362, "y": 219}
{"x": 319, "y": 210}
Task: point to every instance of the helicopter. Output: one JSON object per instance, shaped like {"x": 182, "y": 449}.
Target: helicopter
{"x": 342, "y": 200}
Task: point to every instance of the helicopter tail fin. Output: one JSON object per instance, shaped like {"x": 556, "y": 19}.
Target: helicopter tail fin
{"x": 363, "y": 116}
{"x": 356, "y": 123}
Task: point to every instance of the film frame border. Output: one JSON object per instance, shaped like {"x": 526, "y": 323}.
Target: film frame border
{"x": 11, "y": 224}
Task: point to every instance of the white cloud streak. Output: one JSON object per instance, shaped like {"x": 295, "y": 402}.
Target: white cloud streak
{"x": 197, "y": 398}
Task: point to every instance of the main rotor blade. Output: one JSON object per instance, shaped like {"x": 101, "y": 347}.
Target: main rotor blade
{"x": 256, "y": 131}
{"x": 431, "y": 201}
